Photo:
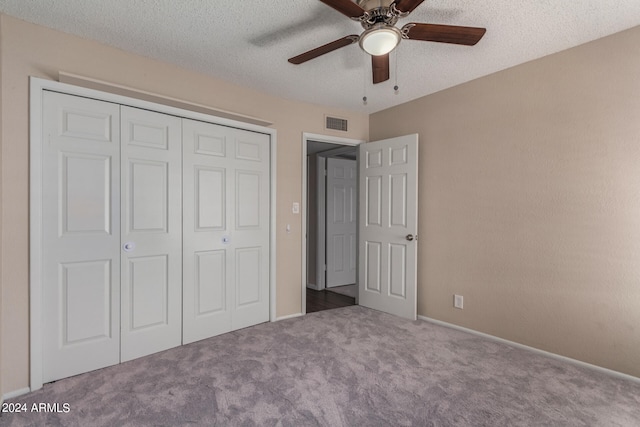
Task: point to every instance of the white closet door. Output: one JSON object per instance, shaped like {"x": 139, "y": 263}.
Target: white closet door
{"x": 342, "y": 227}
{"x": 249, "y": 198}
{"x": 151, "y": 232}
{"x": 226, "y": 229}
{"x": 81, "y": 235}
{"x": 207, "y": 304}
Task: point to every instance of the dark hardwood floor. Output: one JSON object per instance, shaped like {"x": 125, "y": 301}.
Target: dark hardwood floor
{"x": 326, "y": 300}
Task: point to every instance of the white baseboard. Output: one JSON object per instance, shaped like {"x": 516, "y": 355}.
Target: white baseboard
{"x": 15, "y": 393}
{"x": 289, "y": 316}
{"x": 580, "y": 363}
{"x": 314, "y": 287}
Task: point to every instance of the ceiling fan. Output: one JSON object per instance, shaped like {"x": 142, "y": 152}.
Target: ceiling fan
{"x": 381, "y": 36}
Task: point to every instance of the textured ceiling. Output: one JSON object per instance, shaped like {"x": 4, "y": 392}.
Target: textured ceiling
{"x": 249, "y": 42}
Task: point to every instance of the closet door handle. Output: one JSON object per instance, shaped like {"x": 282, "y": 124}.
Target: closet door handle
{"x": 129, "y": 246}
{"x": 410, "y": 237}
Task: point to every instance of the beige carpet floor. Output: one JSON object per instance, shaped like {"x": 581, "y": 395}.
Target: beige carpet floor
{"x": 345, "y": 367}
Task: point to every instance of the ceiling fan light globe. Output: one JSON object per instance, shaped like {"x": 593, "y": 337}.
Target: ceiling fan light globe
{"x": 380, "y": 41}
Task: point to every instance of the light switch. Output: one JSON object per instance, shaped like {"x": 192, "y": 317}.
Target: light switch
{"x": 296, "y": 208}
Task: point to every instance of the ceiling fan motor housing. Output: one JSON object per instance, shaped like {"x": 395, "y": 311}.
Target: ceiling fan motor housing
{"x": 377, "y": 12}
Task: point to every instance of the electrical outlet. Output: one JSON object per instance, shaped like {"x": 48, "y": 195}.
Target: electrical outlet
{"x": 458, "y": 301}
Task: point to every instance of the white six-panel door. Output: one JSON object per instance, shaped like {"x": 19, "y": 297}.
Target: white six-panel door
{"x": 81, "y": 235}
{"x": 151, "y": 237}
{"x": 388, "y": 225}
{"x": 341, "y": 222}
{"x": 226, "y": 230}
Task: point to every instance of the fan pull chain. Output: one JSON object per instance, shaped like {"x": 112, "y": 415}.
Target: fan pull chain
{"x": 364, "y": 80}
{"x": 396, "y": 88}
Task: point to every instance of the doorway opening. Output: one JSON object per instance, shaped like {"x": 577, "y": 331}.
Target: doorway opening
{"x": 330, "y": 223}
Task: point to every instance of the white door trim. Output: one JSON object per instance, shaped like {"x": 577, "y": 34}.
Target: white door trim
{"x": 37, "y": 87}
{"x": 306, "y": 137}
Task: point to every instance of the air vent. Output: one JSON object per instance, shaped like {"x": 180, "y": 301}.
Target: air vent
{"x": 336, "y": 123}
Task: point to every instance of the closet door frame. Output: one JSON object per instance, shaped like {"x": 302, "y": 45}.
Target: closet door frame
{"x": 37, "y": 87}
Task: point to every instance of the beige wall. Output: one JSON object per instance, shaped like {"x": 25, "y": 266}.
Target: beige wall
{"x": 529, "y": 185}
{"x": 30, "y": 50}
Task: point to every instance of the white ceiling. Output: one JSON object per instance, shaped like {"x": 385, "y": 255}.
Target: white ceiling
{"x": 248, "y": 42}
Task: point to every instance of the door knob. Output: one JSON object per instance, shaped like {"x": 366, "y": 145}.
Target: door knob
{"x": 129, "y": 246}
{"x": 410, "y": 237}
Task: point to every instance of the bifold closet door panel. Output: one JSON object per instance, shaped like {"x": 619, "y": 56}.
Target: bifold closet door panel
{"x": 81, "y": 235}
{"x": 250, "y": 228}
{"x": 151, "y": 273}
{"x": 207, "y": 302}
{"x": 225, "y": 229}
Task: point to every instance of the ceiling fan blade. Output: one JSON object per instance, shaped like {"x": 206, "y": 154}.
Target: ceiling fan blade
{"x": 468, "y": 36}
{"x": 407, "y": 6}
{"x": 329, "y": 47}
{"x": 380, "y": 67}
{"x": 346, "y": 7}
